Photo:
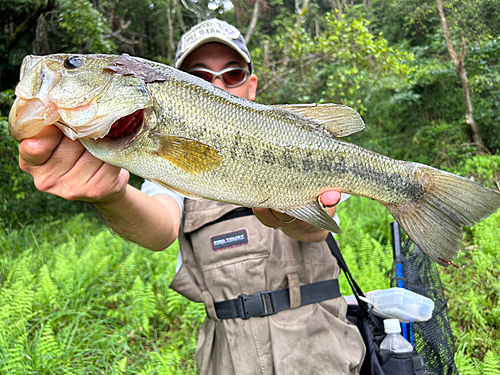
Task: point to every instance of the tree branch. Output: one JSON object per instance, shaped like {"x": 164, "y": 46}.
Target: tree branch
{"x": 195, "y": 11}
{"x": 253, "y": 22}
{"x": 29, "y": 23}
{"x": 460, "y": 68}
{"x": 307, "y": 61}
{"x": 447, "y": 36}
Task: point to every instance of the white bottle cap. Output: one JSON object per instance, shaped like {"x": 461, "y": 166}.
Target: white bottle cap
{"x": 392, "y": 326}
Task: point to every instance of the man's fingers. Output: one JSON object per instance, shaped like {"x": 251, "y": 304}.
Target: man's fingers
{"x": 274, "y": 219}
{"x": 330, "y": 198}
{"x": 267, "y": 217}
{"x": 54, "y": 172}
{"x": 63, "y": 167}
{"x": 37, "y": 150}
{"x": 107, "y": 181}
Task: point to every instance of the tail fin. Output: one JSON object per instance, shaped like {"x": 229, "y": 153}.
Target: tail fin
{"x": 435, "y": 222}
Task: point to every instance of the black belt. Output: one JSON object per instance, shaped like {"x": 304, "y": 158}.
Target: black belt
{"x": 270, "y": 302}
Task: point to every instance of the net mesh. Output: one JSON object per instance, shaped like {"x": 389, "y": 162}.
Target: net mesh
{"x": 432, "y": 339}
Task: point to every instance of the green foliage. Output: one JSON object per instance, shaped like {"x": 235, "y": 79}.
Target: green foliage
{"x": 75, "y": 298}
{"x": 6, "y": 100}
{"x": 338, "y": 65}
{"x": 473, "y": 292}
{"x": 432, "y": 100}
{"x": 412, "y": 21}
{"x": 491, "y": 363}
{"x": 424, "y": 120}
{"x": 83, "y": 28}
{"x": 483, "y": 169}
{"x": 49, "y": 26}
{"x": 445, "y": 146}
{"x": 365, "y": 243}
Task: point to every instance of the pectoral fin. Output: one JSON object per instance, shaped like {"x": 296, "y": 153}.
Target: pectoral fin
{"x": 338, "y": 119}
{"x": 188, "y": 154}
{"x": 315, "y": 214}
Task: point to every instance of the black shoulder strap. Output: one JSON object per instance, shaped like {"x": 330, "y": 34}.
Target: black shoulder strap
{"x": 238, "y": 212}
{"x": 334, "y": 248}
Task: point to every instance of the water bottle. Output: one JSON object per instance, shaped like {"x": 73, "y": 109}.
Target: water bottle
{"x": 393, "y": 340}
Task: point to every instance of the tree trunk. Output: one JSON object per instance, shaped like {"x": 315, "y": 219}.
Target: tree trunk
{"x": 194, "y": 9}
{"x": 253, "y": 22}
{"x": 238, "y": 13}
{"x": 29, "y": 23}
{"x": 41, "y": 42}
{"x": 368, "y": 4}
{"x": 298, "y": 23}
{"x": 460, "y": 67}
{"x": 170, "y": 44}
{"x": 339, "y": 6}
{"x": 266, "y": 54}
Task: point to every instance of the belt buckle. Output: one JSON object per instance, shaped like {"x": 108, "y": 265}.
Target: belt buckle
{"x": 257, "y": 304}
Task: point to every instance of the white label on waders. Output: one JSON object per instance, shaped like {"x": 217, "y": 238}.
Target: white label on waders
{"x": 228, "y": 240}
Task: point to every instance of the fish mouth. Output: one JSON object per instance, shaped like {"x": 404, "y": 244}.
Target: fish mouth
{"x": 127, "y": 126}
{"x": 28, "y": 117}
{"x": 124, "y": 131}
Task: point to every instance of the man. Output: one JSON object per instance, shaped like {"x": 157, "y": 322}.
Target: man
{"x": 227, "y": 256}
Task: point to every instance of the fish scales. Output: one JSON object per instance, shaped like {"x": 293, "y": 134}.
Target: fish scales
{"x": 299, "y": 165}
{"x": 201, "y": 141}
{"x": 281, "y": 146}
{"x": 296, "y": 165}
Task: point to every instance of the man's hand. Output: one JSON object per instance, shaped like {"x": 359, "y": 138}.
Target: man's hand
{"x": 297, "y": 229}
{"x": 65, "y": 168}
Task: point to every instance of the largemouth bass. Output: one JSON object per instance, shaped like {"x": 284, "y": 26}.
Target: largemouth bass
{"x": 199, "y": 140}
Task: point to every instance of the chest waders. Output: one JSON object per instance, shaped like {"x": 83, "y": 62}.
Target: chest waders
{"x": 273, "y": 304}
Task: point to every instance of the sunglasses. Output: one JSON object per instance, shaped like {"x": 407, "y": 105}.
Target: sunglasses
{"x": 230, "y": 77}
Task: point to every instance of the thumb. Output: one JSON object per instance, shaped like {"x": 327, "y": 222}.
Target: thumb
{"x": 330, "y": 198}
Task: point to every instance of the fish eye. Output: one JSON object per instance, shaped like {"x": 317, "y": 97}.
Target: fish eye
{"x": 73, "y": 62}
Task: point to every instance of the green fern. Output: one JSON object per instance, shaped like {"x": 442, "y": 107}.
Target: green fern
{"x": 491, "y": 365}
{"x": 366, "y": 251}
{"x": 143, "y": 302}
{"x": 63, "y": 274}
{"x": 14, "y": 359}
{"x": 47, "y": 290}
{"x": 48, "y": 352}
{"x": 120, "y": 367}
{"x": 16, "y": 304}
{"x": 175, "y": 302}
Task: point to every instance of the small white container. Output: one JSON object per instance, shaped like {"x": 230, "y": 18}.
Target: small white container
{"x": 397, "y": 303}
{"x": 401, "y": 304}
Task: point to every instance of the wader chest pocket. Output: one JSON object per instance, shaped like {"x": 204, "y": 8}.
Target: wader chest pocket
{"x": 229, "y": 241}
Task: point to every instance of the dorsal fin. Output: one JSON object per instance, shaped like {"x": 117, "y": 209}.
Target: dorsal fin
{"x": 338, "y": 119}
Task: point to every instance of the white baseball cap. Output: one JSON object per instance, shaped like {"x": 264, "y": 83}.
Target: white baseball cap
{"x": 212, "y": 30}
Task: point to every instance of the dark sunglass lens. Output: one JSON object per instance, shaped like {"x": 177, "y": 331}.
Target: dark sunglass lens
{"x": 234, "y": 77}
{"x": 203, "y": 75}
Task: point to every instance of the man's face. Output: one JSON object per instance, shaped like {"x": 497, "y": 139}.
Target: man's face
{"x": 216, "y": 57}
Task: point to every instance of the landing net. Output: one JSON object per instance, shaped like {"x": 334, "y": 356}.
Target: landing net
{"x": 432, "y": 339}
